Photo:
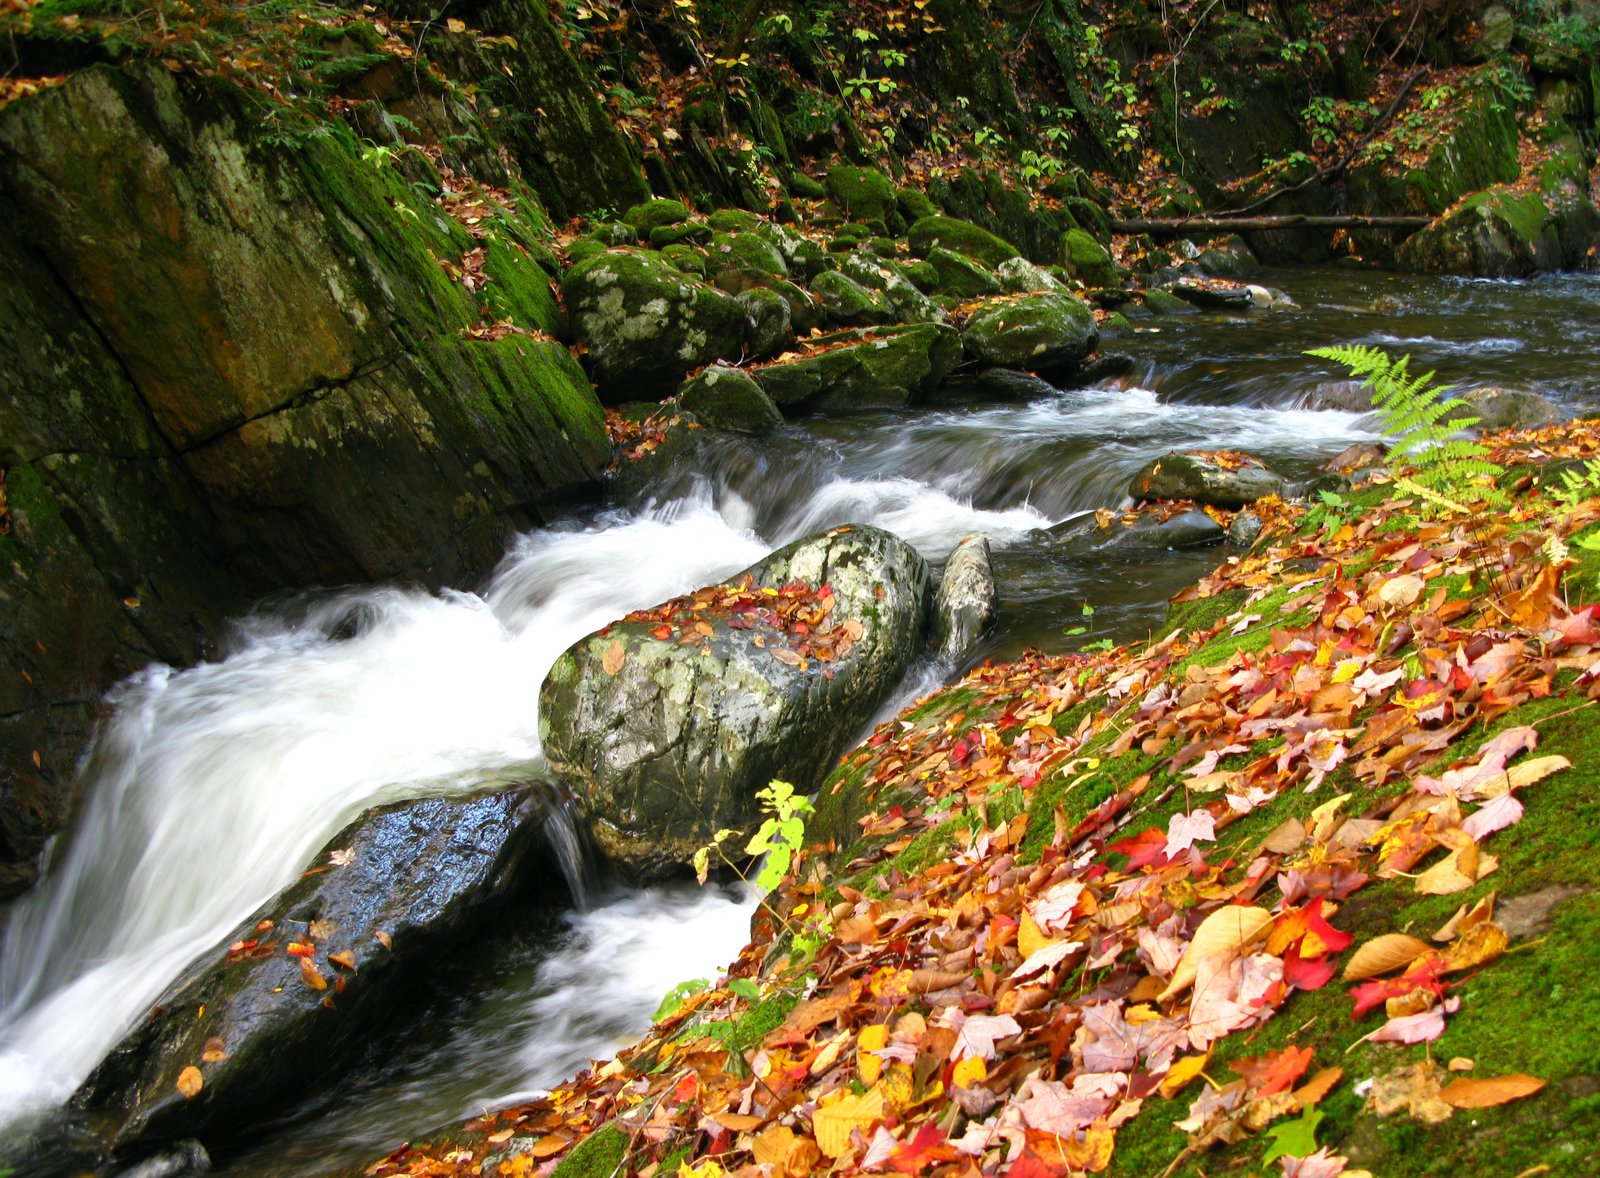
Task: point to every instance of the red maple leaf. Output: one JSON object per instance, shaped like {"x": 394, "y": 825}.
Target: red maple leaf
{"x": 1143, "y": 849}
{"x": 1275, "y": 1071}
{"x": 921, "y": 1151}
{"x": 1422, "y": 974}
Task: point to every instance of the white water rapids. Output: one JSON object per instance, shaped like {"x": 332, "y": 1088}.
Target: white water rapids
{"x": 210, "y": 788}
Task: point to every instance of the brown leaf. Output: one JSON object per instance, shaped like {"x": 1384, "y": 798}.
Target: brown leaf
{"x": 308, "y": 972}
{"x": 611, "y": 662}
{"x": 189, "y": 1082}
{"x": 215, "y": 1050}
{"x": 1488, "y": 1092}
{"x": 383, "y": 939}
{"x": 1223, "y": 933}
{"x": 1318, "y": 1086}
{"x": 320, "y": 930}
{"x": 346, "y": 960}
{"x": 1384, "y": 954}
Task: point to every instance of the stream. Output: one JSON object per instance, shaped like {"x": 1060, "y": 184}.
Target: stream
{"x": 211, "y": 787}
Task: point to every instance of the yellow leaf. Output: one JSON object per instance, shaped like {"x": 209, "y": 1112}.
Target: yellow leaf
{"x": 871, "y": 1039}
{"x": 785, "y": 1154}
{"x": 1181, "y": 1073}
{"x": 1030, "y": 937}
{"x": 833, "y": 1123}
{"x": 1524, "y": 774}
{"x": 189, "y": 1082}
{"x": 1478, "y": 945}
{"x": 611, "y": 662}
{"x": 1226, "y": 931}
{"x": 1384, "y": 954}
{"x": 308, "y": 972}
{"x": 215, "y": 1051}
{"x": 456, "y": 26}
{"x": 968, "y": 1071}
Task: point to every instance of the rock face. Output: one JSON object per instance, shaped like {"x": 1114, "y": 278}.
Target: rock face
{"x": 963, "y": 237}
{"x": 669, "y": 740}
{"x": 233, "y": 368}
{"x": 647, "y": 323}
{"x": 884, "y": 369}
{"x": 401, "y": 885}
{"x": 966, "y": 602}
{"x": 1045, "y": 332}
{"x": 727, "y": 398}
{"x": 1219, "y": 479}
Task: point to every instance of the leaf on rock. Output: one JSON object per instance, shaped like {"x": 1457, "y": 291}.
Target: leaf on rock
{"x": 1384, "y": 954}
{"x": 615, "y": 655}
{"x": 215, "y": 1050}
{"x": 1490, "y": 1091}
{"x": 310, "y": 975}
{"x": 189, "y": 1082}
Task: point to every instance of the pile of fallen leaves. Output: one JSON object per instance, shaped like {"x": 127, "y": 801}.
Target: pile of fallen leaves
{"x": 634, "y": 437}
{"x": 796, "y": 618}
{"x": 1081, "y": 934}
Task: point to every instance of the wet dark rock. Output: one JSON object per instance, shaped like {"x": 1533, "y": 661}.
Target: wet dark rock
{"x": 1164, "y": 302}
{"x": 1244, "y": 529}
{"x": 1040, "y": 332}
{"x": 1228, "y": 298}
{"x": 669, "y": 741}
{"x": 769, "y": 323}
{"x": 846, "y": 303}
{"x": 1230, "y": 258}
{"x": 392, "y": 890}
{"x": 1358, "y": 456}
{"x": 1006, "y": 385}
{"x": 1146, "y": 532}
{"x": 1202, "y": 477}
{"x": 885, "y": 369}
{"x": 966, "y": 602}
{"x": 730, "y": 399}
{"x": 1106, "y": 364}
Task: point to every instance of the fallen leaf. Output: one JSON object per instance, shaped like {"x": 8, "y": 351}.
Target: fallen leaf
{"x": 309, "y": 974}
{"x": 215, "y": 1050}
{"x": 1490, "y": 1091}
{"x": 189, "y": 1082}
{"x": 1224, "y": 932}
{"x": 833, "y": 1123}
{"x": 611, "y": 662}
{"x": 1384, "y": 954}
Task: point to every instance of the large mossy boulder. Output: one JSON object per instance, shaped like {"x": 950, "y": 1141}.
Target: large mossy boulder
{"x": 297, "y": 991}
{"x": 883, "y": 369}
{"x": 234, "y": 367}
{"x": 1216, "y": 478}
{"x": 960, "y": 276}
{"x": 646, "y": 323}
{"x": 1047, "y": 332}
{"x": 1089, "y": 261}
{"x": 651, "y": 215}
{"x": 668, "y": 731}
{"x": 963, "y": 237}
{"x": 846, "y": 303}
{"x": 906, "y": 301}
{"x": 1515, "y": 230}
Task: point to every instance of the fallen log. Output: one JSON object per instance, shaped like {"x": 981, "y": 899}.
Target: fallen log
{"x": 1206, "y": 226}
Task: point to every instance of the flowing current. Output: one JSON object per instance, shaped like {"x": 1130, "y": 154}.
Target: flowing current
{"x": 211, "y": 788}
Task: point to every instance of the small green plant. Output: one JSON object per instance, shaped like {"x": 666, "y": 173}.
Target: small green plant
{"x": 674, "y": 998}
{"x": 1088, "y": 622}
{"x": 1577, "y": 486}
{"x": 781, "y": 833}
{"x": 1421, "y": 423}
{"x": 1436, "y": 96}
{"x": 1333, "y": 513}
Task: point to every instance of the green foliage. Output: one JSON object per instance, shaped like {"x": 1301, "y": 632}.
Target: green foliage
{"x": 677, "y": 996}
{"x": 1420, "y": 423}
{"x": 1296, "y": 1138}
{"x": 1576, "y": 486}
{"x": 1331, "y": 514}
{"x": 780, "y": 834}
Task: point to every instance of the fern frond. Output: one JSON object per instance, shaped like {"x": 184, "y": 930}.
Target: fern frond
{"x": 1423, "y": 425}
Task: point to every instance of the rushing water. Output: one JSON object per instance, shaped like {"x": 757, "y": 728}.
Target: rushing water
{"x": 212, "y": 786}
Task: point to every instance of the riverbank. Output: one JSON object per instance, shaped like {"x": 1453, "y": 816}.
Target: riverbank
{"x": 1050, "y": 910}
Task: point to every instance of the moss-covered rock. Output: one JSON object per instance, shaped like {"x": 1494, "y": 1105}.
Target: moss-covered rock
{"x": 1511, "y": 231}
{"x": 677, "y": 234}
{"x": 885, "y": 369}
{"x": 863, "y": 194}
{"x": 610, "y": 233}
{"x": 730, "y": 399}
{"x": 908, "y": 304}
{"x": 914, "y": 204}
{"x": 1164, "y": 302}
{"x": 670, "y": 742}
{"x": 803, "y": 257}
{"x": 846, "y": 303}
{"x": 1020, "y": 276}
{"x": 689, "y": 259}
{"x": 1088, "y": 260}
{"x": 654, "y": 214}
{"x": 963, "y": 237}
{"x": 646, "y": 323}
{"x": 747, "y": 249}
{"x": 1048, "y": 332}
{"x": 959, "y": 275}
{"x": 769, "y": 327}
{"x": 733, "y": 221}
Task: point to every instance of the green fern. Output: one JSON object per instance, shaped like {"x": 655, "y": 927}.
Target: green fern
{"x": 1577, "y": 486}
{"x": 1421, "y": 422}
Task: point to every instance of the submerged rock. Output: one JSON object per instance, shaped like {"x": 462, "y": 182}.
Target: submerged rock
{"x": 1040, "y": 332}
{"x": 304, "y": 980}
{"x": 885, "y": 369}
{"x": 1221, "y": 479}
{"x": 668, "y": 730}
{"x": 647, "y": 323}
{"x": 966, "y": 602}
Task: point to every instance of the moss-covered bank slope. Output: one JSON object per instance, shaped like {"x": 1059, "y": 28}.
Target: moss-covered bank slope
{"x": 1070, "y": 901}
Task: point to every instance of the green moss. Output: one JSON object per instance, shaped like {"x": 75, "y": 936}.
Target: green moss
{"x": 1203, "y": 612}
{"x": 599, "y": 1155}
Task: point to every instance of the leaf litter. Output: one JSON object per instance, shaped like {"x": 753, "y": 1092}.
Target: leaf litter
{"x": 1094, "y": 932}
